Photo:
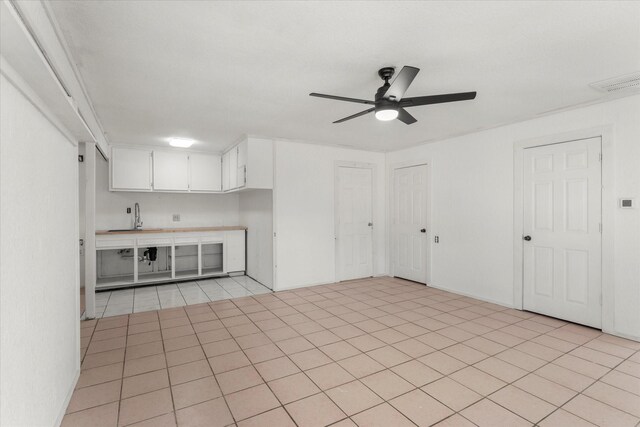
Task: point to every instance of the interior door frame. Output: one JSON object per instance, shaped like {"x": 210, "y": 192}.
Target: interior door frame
{"x": 608, "y": 205}
{"x": 391, "y": 229}
{"x": 336, "y": 215}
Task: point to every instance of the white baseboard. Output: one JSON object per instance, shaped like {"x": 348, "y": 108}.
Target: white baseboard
{"x": 326, "y": 283}
{"x": 621, "y": 335}
{"x": 470, "y": 295}
{"x": 67, "y": 398}
{"x": 288, "y": 288}
{"x": 237, "y": 273}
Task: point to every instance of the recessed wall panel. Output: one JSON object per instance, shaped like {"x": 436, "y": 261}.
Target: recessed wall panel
{"x": 543, "y": 271}
{"x": 543, "y": 163}
{"x": 543, "y": 206}
{"x": 576, "y": 160}
{"x": 577, "y": 207}
{"x": 577, "y": 275}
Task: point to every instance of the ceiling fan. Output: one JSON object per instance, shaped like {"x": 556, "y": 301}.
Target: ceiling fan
{"x": 389, "y": 103}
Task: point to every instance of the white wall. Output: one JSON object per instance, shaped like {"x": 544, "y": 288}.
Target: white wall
{"x": 304, "y": 211}
{"x": 472, "y": 204}
{"x": 157, "y": 209}
{"x": 81, "y": 209}
{"x": 256, "y": 213}
{"x": 39, "y": 307}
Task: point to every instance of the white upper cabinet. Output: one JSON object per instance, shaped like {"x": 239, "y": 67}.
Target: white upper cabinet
{"x": 241, "y": 150}
{"x": 249, "y": 165}
{"x": 130, "y": 169}
{"x": 233, "y": 168}
{"x": 225, "y": 171}
{"x": 259, "y": 163}
{"x": 246, "y": 165}
{"x": 205, "y": 171}
{"x": 242, "y": 153}
{"x": 170, "y": 171}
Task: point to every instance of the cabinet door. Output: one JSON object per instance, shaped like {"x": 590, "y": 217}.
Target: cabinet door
{"x": 233, "y": 168}
{"x": 130, "y": 169}
{"x": 242, "y": 176}
{"x": 225, "y": 171}
{"x": 242, "y": 153}
{"x": 234, "y": 250}
{"x": 170, "y": 171}
{"x": 205, "y": 172}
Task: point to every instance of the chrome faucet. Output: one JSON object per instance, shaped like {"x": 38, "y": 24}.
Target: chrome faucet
{"x": 137, "y": 225}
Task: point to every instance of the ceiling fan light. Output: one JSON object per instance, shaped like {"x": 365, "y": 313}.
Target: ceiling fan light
{"x": 386, "y": 115}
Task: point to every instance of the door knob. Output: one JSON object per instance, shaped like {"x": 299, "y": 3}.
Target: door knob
{"x": 423, "y": 230}
{"x": 527, "y": 238}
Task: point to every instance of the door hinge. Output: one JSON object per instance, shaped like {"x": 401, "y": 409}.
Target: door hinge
{"x": 600, "y": 157}
{"x": 600, "y": 227}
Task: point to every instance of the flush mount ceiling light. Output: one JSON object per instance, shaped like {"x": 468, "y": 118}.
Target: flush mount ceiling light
{"x": 181, "y": 142}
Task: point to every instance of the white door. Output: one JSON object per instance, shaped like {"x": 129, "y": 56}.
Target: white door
{"x": 170, "y": 171}
{"x": 562, "y": 235}
{"x": 205, "y": 172}
{"x": 354, "y": 223}
{"x": 409, "y": 246}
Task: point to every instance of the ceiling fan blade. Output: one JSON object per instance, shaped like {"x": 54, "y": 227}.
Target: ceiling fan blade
{"x": 342, "y": 98}
{"x": 361, "y": 113}
{"x": 401, "y": 83}
{"x": 437, "y": 99}
{"x": 405, "y": 117}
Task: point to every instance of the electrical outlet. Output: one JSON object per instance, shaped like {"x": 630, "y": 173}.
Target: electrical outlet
{"x": 437, "y": 239}
{"x": 176, "y": 217}
{"x": 128, "y": 210}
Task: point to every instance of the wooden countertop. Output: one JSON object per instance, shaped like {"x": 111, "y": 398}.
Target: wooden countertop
{"x": 171, "y": 230}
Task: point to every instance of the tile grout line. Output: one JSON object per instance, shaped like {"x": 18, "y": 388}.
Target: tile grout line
{"x": 324, "y": 328}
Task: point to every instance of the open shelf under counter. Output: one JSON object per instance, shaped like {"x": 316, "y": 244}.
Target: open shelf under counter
{"x": 182, "y": 254}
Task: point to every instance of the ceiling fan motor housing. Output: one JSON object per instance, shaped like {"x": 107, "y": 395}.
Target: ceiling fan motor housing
{"x": 382, "y": 103}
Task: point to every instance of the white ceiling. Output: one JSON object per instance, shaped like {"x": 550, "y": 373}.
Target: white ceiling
{"x": 213, "y": 71}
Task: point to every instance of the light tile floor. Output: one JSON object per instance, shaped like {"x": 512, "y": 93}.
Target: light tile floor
{"x": 147, "y": 298}
{"x": 376, "y": 352}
